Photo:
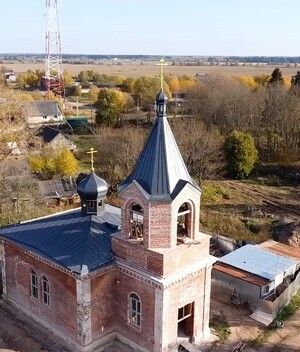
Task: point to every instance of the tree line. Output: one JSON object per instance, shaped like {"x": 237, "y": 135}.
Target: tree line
{"x": 269, "y": 111}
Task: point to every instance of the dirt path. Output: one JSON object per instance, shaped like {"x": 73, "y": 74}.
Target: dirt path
{"x": 286, "y": 339}
{"x": 19, "y": 333}
{"x": 279, "y": 201}
{"x": 242, "y": 327}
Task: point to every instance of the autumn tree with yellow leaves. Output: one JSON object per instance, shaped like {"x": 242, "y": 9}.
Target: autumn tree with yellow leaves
{"x": 48, "y": 164}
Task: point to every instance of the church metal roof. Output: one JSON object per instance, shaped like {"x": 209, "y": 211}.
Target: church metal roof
{"x": 70, "y": 238}
{"x": 160, "y": 169}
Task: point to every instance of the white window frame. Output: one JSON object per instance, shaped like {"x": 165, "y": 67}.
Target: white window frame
{"x": 34, "y": 282}
{"x": 46, "y": 290}
{"x": 135, "y": 310}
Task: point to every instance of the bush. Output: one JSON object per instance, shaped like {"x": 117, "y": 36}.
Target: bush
{"x": 240, "y": 153}
{"x": 220, "y": 326}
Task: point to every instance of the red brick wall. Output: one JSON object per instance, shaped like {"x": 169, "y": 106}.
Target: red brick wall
{"x": 124, "y": 285}
{"x": 160, "y": 219}
{"x": 160, "y": 225}
{"x": 102, "y": 304}
{"x": 138, "y": 255}
{"x": 163, "y": 262}
{"x": 62, "y": 290}
{"x": 185, "y": 254}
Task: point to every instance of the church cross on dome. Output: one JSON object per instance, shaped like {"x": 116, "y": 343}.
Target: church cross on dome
{"x": 92, "y": 152}
{"x": 162, "y": 64}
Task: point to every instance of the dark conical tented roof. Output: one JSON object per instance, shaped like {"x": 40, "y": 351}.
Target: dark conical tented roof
{"x": 160, "y": 169}
{"x": 92, "y": 187}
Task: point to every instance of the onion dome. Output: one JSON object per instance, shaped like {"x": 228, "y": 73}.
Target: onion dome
{"x": 92, "y": 188}
{"x": 161, "y": 98}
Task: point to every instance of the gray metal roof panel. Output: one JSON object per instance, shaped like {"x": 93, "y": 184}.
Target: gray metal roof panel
{"x": 160, "y": 167}
{"x": 41, "y": 108}
{"x": 57, "y": 188}
{"x": 70, "y": 239}
{"x": 258, "y": 261}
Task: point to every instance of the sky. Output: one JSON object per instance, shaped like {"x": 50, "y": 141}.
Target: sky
{"x": 152, "y": 27}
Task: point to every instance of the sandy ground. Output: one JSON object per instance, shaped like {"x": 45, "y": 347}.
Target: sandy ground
{"x": 286, "y": 339}
{"x": 245, "y": 329}
{"x": 242, "y": 327}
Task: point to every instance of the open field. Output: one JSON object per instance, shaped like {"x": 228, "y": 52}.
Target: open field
{"x": 246, "y": 210}
{"x": 137, "y": 69}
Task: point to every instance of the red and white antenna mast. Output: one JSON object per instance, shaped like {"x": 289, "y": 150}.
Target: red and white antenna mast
{"x": 53, "y": 70}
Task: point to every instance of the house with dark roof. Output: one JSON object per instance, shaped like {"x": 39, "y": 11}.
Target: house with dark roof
{"x": 39, "y": 112}
{"x": 55, "y": 138}
{"x": 139, "y": 274}
{"x": 265, "y": 276}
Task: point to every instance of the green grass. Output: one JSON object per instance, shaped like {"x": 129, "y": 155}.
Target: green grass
{"x": 212, "y": 192}
{"x": 236, "y": 227}
{"x": 291, "y": 308}
{"x": 220, "y": 326}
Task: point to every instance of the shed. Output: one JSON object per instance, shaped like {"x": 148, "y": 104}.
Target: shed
{"x": 263, "y": 271}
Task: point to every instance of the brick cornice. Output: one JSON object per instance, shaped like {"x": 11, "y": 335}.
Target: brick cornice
{"x": 155, "y": 280}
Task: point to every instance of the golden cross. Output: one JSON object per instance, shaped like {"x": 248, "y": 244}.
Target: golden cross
{"x": 162, "y": 64}
{"x": 92, "y": 151}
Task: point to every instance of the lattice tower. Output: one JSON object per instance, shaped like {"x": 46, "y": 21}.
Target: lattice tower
{"x": 53, "y": 70}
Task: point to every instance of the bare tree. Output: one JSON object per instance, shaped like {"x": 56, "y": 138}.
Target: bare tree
{"x": 201, "y": 147}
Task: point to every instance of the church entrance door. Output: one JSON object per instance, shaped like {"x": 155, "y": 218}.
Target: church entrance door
{"x": 186, "y": 320}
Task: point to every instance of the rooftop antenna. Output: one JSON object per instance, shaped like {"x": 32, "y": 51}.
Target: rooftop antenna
{"x": 53, "y": 60}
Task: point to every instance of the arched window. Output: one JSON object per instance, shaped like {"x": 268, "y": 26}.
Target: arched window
{"x": 134, "y": 310}
{"x": 46, "y": 291}
{"x": 34, "y": 285}
{"x": 184, "y": 223}
{"x": 136, "y": 222}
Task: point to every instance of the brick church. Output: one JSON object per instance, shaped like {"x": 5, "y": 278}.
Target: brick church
{"x": 140, "y": 274}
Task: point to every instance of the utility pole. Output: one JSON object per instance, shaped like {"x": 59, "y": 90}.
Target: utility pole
{"x": 53, "y": 80}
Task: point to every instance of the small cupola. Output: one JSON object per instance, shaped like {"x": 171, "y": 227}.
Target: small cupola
{"x": 161, "y": 103}
{"x": 92, "y": 191}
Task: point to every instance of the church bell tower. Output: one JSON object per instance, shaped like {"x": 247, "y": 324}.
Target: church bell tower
{"x": 163, "y": 262}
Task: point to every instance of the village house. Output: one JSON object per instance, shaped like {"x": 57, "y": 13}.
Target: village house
{"x": 40, "y": 112}
{"x": 54, "y": 138}
{"x": 139, "y": 274}
{"x": 265, "y": 276}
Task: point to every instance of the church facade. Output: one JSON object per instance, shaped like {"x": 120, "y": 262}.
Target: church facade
{"x": 140, "y": 274}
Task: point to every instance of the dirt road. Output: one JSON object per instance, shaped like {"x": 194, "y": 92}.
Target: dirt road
{"x": 19, "y": 333}
{"x": 279, "y": 201}
{"x": 286, "y": 339}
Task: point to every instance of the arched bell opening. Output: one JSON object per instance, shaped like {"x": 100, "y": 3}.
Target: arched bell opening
{"x": 136, "y": 228}
{"x": 184, "y": 223}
